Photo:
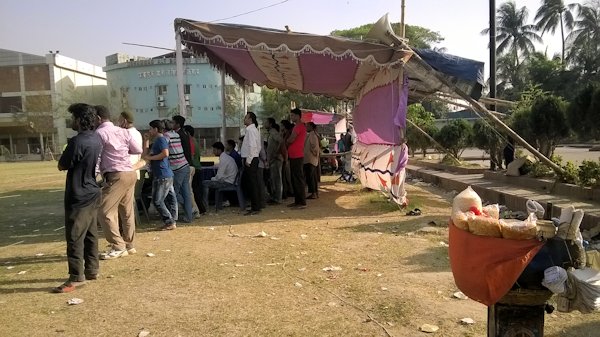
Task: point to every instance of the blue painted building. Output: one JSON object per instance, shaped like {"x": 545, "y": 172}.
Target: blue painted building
{"x": 148, "y": 88}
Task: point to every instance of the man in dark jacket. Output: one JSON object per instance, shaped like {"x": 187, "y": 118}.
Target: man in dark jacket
{"x": 82, "y": 198}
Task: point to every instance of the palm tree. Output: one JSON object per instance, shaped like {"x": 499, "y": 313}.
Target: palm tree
{"x": 514, "y": 36}
{"x": 554, "y": 13}
{"x": 584, "y": 40}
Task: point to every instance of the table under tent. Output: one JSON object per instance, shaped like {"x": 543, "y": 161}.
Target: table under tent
{"x": 380, "y": 78}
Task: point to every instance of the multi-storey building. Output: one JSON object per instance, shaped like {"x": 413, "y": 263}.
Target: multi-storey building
{"x": 148, "y": 88}
{"x": 35, "y": 92}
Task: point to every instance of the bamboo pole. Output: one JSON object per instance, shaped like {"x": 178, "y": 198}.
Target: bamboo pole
{"x": 480, "y": 108}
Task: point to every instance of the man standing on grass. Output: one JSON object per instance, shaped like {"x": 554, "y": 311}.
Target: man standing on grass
{"x": 311, "y": 160}
{"x": 163, "y": 193}
{"x": 82, "y": 198}
{"x": 296, "y": 154}
{"x": 119, "y": 180}
{"x": 250, "y": 151}
{"x": 181, "y": 169}
{"x": 275, "y": 159}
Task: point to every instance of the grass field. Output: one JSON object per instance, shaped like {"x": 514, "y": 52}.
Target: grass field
{"x": 216, "y": 277}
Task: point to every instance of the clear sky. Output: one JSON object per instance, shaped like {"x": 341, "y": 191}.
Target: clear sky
{"x": 90, "y": 30}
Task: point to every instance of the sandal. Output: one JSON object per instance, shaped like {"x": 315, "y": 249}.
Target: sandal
{"x": 67, "y": 287}
{"x": 414, "y": 212}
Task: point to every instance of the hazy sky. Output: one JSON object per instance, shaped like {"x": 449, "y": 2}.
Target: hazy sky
{"x": 90, "y": 30}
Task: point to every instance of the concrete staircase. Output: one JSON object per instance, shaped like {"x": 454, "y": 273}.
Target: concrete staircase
{"x": 505, "y": 192}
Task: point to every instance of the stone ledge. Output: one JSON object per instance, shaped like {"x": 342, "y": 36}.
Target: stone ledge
{"x": 546, "y": 186}
{"x": 448, "y": 168}
{"x": 511, "y": 195}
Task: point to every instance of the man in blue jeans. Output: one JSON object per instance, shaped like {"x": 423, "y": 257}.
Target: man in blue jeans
{"x": 181, "y": 170}
{"x": 163, "y": 193}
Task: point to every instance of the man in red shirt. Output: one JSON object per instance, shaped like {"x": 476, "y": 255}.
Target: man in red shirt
{"x": 296, "y": 156}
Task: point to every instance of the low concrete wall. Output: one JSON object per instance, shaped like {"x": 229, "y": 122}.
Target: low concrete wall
{"x": 449, "y": 168}
{"x": 509, "y": 195}
{"x": 546, "y": 186}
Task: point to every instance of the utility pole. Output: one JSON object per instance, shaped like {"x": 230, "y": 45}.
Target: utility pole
{"x": 493, "y": 65}
{"x": 402, "y": 26}
{"x": 492, "y": 51}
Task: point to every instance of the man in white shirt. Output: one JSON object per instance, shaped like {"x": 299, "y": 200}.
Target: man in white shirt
{"x": 225, "y": 173}
{"x": 250, "y": 151}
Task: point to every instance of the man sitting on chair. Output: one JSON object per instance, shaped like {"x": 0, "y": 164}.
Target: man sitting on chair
{"x": 225, "y": 173}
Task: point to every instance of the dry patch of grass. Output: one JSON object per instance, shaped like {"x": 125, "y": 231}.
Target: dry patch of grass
{"x": 216, "y": 278}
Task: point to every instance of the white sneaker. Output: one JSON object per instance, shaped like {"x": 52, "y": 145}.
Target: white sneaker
{"x": 131, "y": 251}
{"x": 113, "y": 254}
{"x": 226, "y": 203}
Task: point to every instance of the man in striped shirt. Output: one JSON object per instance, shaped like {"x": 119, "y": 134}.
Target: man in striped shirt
{"x": 181, "y": 170}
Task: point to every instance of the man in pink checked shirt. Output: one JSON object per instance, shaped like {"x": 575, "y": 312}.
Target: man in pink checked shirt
{"x": 119, "y": 180}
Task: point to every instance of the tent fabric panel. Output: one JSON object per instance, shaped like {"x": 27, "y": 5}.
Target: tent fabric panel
{"x": 320, "y": 117}
{"x": 281, "y": 69}
{"x": 382, "y": 168}
{"x": 364, "y": 72}
{"x": 326, "y": 75}
{"x": 461, "y": 68}
{"x": 242, "y": 62}
{"x": 373, "y": 117}
{"x": 252, "y": 37}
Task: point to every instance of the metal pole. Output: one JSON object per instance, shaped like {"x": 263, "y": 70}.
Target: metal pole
{"x": 402, "y": 26}
{"x": 492, "y": 52}
{"x": 245, "y": 108}
{"x": 224, "y": 116}
{"x": 179, "y": 66}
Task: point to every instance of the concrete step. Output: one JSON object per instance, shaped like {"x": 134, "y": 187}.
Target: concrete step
{"x": 511, "y": 195}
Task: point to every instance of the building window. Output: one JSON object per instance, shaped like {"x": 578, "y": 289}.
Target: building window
{"x": 161, "y": 90}
{"x": 187, "y": 89}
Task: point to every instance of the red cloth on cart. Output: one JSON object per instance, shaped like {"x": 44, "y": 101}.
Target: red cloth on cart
{"x": 485, "y": 268}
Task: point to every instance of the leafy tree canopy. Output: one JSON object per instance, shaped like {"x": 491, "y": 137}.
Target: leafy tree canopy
{"x": 418, "y": 37}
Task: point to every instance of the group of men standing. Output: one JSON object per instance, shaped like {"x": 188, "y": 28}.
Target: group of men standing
{"x": 291, "y": 156}
{"x": 116, "y": 153}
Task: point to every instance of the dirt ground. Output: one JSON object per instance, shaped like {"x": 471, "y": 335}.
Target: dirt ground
{"x": 216, "y": 277}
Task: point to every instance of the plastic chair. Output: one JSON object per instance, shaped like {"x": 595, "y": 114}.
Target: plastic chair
{"x": 138, "y": 200}
{"x": 237, "y": 187}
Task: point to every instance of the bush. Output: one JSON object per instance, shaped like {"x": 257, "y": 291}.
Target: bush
{"x": 570, "y": 174}
{"x": 455, "y": 136}
{"x": 589, "y": 173}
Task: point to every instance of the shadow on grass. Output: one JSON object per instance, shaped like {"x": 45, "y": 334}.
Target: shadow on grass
{"x": 31, "y": 216}
{"x": 405, "y": 224}
{"x": 588, "y": 329}
{"x": 24, "y": 290}
{"x": 433, "y": 259}
{"x": 30, "y": 260}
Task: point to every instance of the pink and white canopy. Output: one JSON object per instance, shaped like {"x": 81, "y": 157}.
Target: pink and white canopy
{"x": 377, "y": 76}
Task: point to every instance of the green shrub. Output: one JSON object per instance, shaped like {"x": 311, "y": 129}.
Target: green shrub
{"x": 570, "y": 174}
{"x": 541, "y": 170}
{"x": 589, "y": 173}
